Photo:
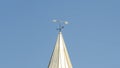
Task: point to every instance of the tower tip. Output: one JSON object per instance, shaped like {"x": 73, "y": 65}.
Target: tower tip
{"x": 61, "y": 24}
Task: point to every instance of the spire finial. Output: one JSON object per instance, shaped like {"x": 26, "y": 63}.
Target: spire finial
{"x": 61, "y": 24}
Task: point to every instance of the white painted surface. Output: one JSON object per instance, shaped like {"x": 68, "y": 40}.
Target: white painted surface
{"x": 60, "y": 57}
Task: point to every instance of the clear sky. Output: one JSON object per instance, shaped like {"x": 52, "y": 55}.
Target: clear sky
{"x": 27, "y": 35}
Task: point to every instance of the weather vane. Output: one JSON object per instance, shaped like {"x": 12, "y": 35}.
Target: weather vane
{"x": 61, "y": 24}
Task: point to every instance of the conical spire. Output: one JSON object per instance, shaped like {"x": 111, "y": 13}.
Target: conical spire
{"x": 60, "y": 57}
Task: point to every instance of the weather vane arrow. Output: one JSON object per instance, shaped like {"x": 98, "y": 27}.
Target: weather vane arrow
{"x": 61, "y": 24}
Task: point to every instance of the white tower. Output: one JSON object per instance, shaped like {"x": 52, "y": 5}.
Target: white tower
{"x": 60, "y": 57}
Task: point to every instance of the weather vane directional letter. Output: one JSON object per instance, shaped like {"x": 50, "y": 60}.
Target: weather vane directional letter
{"x": 61, "y": 24}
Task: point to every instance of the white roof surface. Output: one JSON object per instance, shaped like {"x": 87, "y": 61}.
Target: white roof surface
{"x": 60, "y": 57}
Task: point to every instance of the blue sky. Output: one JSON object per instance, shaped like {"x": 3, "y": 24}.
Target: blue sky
{"x": 27, "y": 34}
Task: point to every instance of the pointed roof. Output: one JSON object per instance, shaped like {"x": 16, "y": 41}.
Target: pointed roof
{"x": 60, "y": 57}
